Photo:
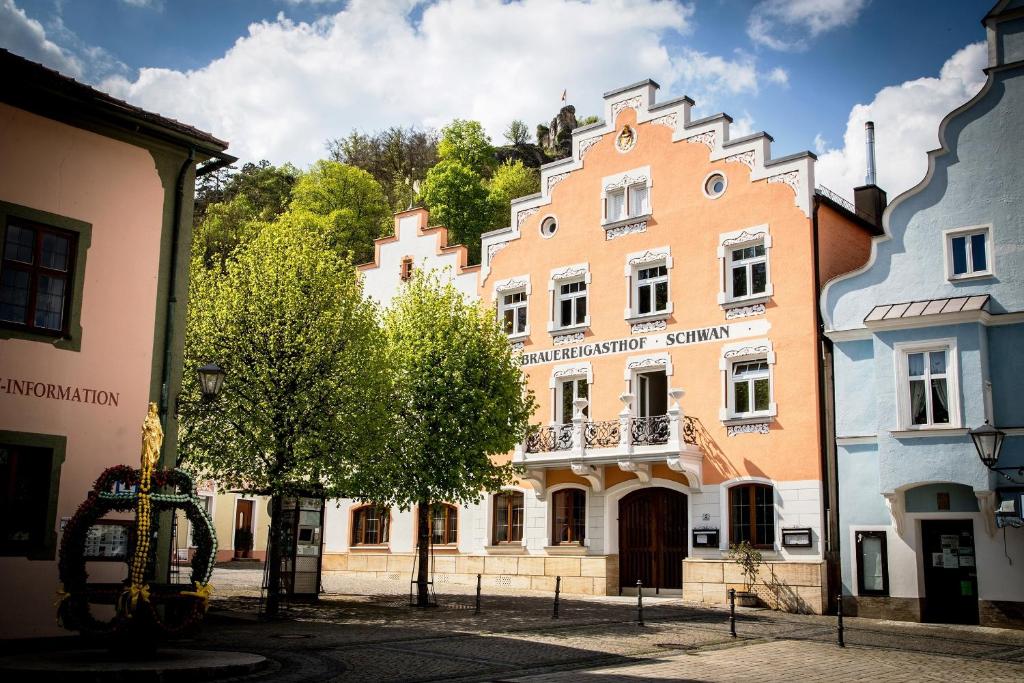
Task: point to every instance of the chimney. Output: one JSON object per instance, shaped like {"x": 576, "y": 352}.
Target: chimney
{"x": 869, "y": 200}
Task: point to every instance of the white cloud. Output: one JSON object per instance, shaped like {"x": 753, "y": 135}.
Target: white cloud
{"x": 287, "y": 86}
{"x": 744, "y": 125}
{"x": 27, "y": 37}
{"x": 907, "y": 118}
{"x": 820, "y": 144}
{"x": 789, "y": 25}
{"x": 151, "y": 4}
{"x": 779, "y": 76}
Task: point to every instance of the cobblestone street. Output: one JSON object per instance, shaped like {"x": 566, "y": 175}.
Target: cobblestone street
{"x": 366, "y": 632}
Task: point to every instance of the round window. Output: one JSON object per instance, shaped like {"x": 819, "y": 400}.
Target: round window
{"x": 714, "y": 186}
{"x": 548, "y": 226}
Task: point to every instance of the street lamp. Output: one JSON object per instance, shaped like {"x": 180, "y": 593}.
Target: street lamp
{"x": 988, "y": 441}
{"x": 211, "y": 378}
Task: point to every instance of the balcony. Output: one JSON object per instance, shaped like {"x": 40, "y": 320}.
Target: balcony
{"x": 635, "y": 444}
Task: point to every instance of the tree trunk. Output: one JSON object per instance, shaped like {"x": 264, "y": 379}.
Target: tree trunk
{"x": 274, "y": 558}
{"x": 423, "y": 548}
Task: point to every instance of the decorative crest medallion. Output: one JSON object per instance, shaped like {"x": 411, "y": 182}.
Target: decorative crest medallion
{"x": 626, "y": 139}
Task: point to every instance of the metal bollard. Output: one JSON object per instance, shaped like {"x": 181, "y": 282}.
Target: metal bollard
{"x": 558, "y": 588}
{"x": 476, "y": 610}
{"x": 839, "y": 615}
{"x": 732, "y": 612}
{"x": 639, "y": 602}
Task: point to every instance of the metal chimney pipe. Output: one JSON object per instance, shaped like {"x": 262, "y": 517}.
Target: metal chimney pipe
{"x": 869, "y": 130}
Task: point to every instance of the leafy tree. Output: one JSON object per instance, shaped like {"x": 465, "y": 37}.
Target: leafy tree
{"x": 587, "y": 120}
{"x": 510, "y": 181}
{"x": 306, "y": 382}
{"x": 351, "y": 201}
{"x": 395, "y": 157}
{"x": 517, "y": 133}
{"x": 460, "y": 400}
{"x": 467, "y": 143}
{"x": 235, "y": 205}
{"x": 457, "y": 199}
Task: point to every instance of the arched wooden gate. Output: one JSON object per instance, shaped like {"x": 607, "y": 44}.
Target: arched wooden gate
{"x": 652, "y": 538}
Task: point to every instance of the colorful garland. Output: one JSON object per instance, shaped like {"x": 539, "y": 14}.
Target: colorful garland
{"x": 138, "y": 603}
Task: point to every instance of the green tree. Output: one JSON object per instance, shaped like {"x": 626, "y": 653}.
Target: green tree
{"x": 517, "y": 133}
{"x": 467, "y": 143}
{"x": 457, "y": 199}
{"x": 396, "y": 158}
{"x": 511, "y": 180}
{"x": 460, "y": 400}
{"x": 306, "y": 383}
{"x": 351, "y": 201}
{"x": 587, "y": 120}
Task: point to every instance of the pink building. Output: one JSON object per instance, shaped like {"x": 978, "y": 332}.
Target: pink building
{"x": 96, "y": 200}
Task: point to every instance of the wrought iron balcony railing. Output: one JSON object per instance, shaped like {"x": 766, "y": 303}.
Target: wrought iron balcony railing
{"x": 547, "y": 439}
{"x": 649, "y": 431}
{"x": 603, "y": 434}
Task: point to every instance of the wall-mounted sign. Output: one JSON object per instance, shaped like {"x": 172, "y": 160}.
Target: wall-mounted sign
{"x": 797, "y": 537}
{"x": 705, "y": 538}
{"x": 59, "y": 392}
{"x": 108, "y": 541}
{"x": 636, "y": 343}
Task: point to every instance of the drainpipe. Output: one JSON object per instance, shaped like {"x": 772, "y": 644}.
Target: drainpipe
{"x": 172, "y": 282}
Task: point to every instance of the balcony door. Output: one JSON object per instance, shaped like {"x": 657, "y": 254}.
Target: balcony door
{"x": 651, "y": 394}
{"x": 568, "y": 391}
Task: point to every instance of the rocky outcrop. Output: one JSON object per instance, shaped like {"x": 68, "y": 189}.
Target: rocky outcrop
{"x": 556, "y": 139}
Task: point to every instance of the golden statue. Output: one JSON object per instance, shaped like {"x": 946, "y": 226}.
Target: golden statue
{"x": 152, "y": 438}
{"x": 625, "y": 139}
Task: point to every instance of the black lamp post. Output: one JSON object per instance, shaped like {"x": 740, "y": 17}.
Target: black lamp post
{"x": 988, "y": 441}
{"x": 211, "y": 379}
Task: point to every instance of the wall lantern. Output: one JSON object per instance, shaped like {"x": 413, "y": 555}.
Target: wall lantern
{"x": 988, "y": 441}
{"x": 211, "y": 379}
{"x": 799, "y": 537}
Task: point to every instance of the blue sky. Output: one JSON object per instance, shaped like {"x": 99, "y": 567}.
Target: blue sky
{"x": 807, "y": 71}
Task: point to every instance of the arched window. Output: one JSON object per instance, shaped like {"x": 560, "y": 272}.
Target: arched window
{"x": 370, "y": 525}
{"x": 508, "y": 517}
{"x": 444, "y": 524}
{"x": 569, "y": 507}
{"x": 752, "y": 515}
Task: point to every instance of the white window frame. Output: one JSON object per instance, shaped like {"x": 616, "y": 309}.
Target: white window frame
{"x": 563, "y": 276}
{"x": 635, "y": 262}
{"x": 739, "y": 353}
{"x": 565, "y": 373}
{"x": 512, "y": 285}
{"x": 626, "y": 184}
{"x": 739, "y": 239}
{"x": 901, "y": 352}
{"x": 967, "y": 232}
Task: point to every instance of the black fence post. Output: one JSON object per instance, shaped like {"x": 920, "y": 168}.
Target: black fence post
{"x": 558, "y": 588}
{"x": 639, "y": 602}
{"x": 476, "y": 609}
{"x": 732, "y": 612}
{"x": 839, "y": 616}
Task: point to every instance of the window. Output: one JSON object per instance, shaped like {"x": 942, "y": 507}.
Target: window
{"x": 548, "y": 227}
{"x": 36, "y": 277}
{"x": 651, "y": 290}
{"x": 967, "y": 253}
{"x": 25, "y": 495}
{"x": 928, "y": 387}
{"x": 616, "y": 205}
{"x": 637, "y": 205}
{"x": 714, "y": 186}
{"x": 748, "y": 271}
{"x": 652, "y": 394}
{"x": 570, "y": 517}
{"x": 508, "y": 517}
{"x": 752, "y": 515}
{"x": 872, "y": 563}
{"x": 512, "y": 312}
{"x": 571, "y": 305}
{"x": 444, "y": 524}
{"x": 751, "y": 387}
{"x": 370, "y": 525}
{"x": 569, "y": 390}
{"x": 629, "y": 201}
{"x": 405, "y": 272}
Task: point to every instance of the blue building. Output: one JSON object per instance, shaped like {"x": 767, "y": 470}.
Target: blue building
{"x": 928, "y": 344}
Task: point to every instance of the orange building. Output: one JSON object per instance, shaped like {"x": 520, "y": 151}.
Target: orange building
{"x": 662, "y": 287}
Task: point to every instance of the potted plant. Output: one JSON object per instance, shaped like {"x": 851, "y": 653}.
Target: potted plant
{"x": 243, "y": 542}
{"x": 749, "y": 560}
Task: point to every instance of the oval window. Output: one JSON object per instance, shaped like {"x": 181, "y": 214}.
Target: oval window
{"x": 714, "y": 186}
{"x": 548, "y": 226}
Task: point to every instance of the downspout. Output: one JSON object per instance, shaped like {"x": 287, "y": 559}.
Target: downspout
{"x": 826, "y": 418}
{"x": 172, "y": 283}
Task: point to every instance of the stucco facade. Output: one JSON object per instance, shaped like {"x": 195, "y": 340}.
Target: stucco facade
{"x": 904, "y": 471}
{"x": 76, "y": 397}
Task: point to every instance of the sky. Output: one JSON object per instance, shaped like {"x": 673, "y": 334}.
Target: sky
{"x": 278, "y": 78}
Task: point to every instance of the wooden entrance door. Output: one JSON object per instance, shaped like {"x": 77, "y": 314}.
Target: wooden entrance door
{"x": 652, "y": 538}
{"x": 243, "y": 528}
{"x": 950, "y": 575}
